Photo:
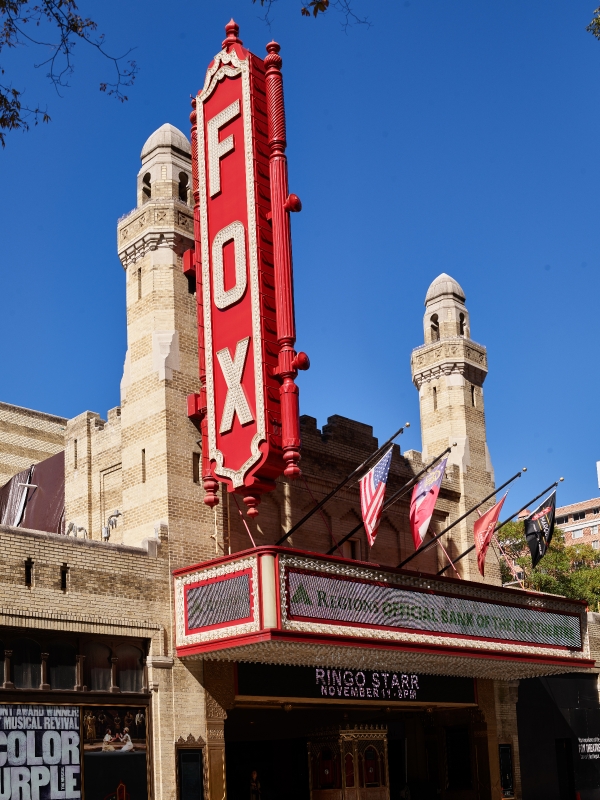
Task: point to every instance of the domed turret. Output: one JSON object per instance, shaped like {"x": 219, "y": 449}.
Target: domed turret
{"x": 166, "y": 166}
{"x": 446, "y": 315}
{"x": 166, "y": 136}
{"x": 444, "y": 286}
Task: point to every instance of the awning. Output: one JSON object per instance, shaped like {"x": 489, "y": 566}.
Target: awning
{"x": 281, "y": 606}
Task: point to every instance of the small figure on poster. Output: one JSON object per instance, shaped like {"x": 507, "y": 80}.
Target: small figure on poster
{"x": 107, "y": 742}
{"x": 126, "y": 741}
{"x": 90, "y": 726}
{"x": 140, "y": 721}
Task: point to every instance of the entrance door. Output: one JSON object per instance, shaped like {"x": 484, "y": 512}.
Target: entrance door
{"x": 353, "y": 767}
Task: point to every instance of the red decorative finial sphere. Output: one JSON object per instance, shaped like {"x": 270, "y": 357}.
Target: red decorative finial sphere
{"x": 232, "y": 30}
{"x": 273, "y": 59}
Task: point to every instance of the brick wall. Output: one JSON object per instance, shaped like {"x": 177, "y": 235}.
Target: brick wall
{"x": 27, "y": 437}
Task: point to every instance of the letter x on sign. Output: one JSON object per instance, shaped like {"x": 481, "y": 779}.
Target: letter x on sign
{"x": 235, "y": 401}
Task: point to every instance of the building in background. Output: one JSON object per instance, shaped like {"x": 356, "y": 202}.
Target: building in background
{"x": 580, "y": 522}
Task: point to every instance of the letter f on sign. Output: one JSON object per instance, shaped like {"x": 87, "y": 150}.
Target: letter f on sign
{"x": 217, "y": 149}
{"x": 235, "y": 401}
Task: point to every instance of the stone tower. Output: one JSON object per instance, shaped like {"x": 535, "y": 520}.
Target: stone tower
{"x": 449, "y": 371}
{"x": 159, "y": 445}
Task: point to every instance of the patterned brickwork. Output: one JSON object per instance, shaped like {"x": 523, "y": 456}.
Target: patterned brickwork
{"x": 27, "y": 437}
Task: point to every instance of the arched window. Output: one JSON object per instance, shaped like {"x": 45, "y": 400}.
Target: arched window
{"x": 473, "y": 398}
{"x": 183, "y": 186}
{"x": 130, "y": 670}
{"x": 435, "y": 328}
{"x": 146, "y": 187}
{"x": 434, "y": 398}
{"x": 349, "y": 768}
{"x": 326, "y": 769}
{"x": 371, "y": 767}
{"x": 461, "y": 324}
{"x": 97, "y": 667}
{"x": 27, "y": 664}
{"x": 62, "y": 666}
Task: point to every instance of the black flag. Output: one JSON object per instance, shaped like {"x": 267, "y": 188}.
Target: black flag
{"x": 539, "y": 528}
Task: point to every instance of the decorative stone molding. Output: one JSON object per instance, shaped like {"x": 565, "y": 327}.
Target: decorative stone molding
{"x": 165, "y": 353}
{"x": 152, "y": 240}
{"x": 213, "y": 709}
{"x": 191, "y": 740}
{"x": 215, "y": 733}
{"x": 451, "y": 356}
{"x": 160, "y": 662}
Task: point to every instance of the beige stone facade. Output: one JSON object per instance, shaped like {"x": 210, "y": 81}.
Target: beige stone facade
{"x": 27, "y": 437}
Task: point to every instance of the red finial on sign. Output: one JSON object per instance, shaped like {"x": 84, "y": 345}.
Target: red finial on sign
{"x": 232, "y": 30}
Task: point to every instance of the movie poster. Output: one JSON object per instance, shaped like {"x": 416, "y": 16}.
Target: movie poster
{"x": 40, "y": 756}
{"x": 114, "y": 753}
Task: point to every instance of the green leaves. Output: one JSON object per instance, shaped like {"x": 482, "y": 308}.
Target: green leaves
{"x": 594, "y": 26}
{"x": 571, "y": 571}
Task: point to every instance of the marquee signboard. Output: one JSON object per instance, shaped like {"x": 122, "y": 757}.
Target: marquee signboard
{"x": 278, "y": 605}
{"x": 346, "y": 683}
{"x": 344, "y": 601}
{"x": 248, "y": 406}
{"x": 219, "y": 601}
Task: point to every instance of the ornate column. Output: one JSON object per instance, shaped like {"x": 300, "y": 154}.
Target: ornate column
{"x": 44, "y": 685}
{"x": 219, "y": 689}
{"x": 8, "y": 684}
{"x": 215, "y": 749}
{"x": 79, "y": 687}
{"x": 113, "y": 675}
{"x": 281, "y": 204}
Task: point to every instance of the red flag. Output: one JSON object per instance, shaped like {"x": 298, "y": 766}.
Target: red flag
{"x": 483, "y": 530}
{"x": 422, "y": 504}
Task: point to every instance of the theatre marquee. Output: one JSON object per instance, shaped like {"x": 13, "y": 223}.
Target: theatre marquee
{"x": 278, "y": 605}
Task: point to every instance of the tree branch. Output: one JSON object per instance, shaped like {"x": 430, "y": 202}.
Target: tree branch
{"x": 18, "y": 16}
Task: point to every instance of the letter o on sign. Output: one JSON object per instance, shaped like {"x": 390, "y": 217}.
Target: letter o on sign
{"x": 235, "y": 231}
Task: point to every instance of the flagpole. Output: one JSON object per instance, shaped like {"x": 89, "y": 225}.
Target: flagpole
{"x": 456, "y": 521}
{"x": 502, "y": 524}
{"x": 348, "y": 478}
{"x": 394, "y": 497}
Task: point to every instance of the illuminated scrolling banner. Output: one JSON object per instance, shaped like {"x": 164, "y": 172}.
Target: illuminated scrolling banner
{"x": 346, "y": 601}
{"x": 218, "y": 602}
{"x": 40, "y": 752}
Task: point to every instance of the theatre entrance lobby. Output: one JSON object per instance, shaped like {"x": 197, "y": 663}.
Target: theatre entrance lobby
{"x": 348, "y": 754}
{"x": 432, "y": 744}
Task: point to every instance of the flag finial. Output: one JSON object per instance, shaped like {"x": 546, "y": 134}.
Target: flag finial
{"x": 232, "y": 30}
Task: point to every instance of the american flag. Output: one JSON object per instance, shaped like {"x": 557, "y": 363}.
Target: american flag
{"x": 372, "y": 492}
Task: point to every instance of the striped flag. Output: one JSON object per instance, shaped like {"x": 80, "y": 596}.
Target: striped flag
{"x": 423, "y": 502}
{"x": 372, "y": 492}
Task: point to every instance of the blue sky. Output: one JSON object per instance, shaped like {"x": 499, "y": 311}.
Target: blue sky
{"x": 446, "y": 137}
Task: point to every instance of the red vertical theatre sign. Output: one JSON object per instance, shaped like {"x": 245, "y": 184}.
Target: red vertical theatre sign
{"x": 248, "y": 405}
